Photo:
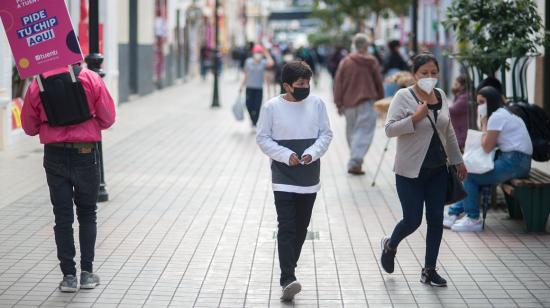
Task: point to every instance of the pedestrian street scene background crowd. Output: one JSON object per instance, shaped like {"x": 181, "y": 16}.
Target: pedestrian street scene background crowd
{"x": 281, "y": 153}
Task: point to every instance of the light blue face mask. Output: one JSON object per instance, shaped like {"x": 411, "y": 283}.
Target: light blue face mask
{"x": 370, "y": 49}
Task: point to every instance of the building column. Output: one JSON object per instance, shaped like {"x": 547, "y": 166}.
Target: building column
{"x": 5, "y": 90}
{"x": 109, "y": 17}
{"x": 546, "y": 78}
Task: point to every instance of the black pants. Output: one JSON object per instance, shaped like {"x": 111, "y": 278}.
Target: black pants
{"x": 429, "y": 188}
{"x": 73, "y": 176}
{"x": 293, "y": 215}
{"x": 254, "y": 99}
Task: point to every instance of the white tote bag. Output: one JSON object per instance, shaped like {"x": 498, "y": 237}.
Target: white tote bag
{"x": 238, "y": 108}
{"x": 475, "y": 158}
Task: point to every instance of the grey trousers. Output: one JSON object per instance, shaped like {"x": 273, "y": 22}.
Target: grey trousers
{"x": 360, "y": 127}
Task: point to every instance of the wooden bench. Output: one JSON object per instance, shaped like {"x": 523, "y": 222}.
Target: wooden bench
{"x": 529, "y": 198}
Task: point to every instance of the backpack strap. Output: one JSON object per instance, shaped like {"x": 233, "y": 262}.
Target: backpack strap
{"x": 74, "y": 71}
{"x": 40, "y": 84}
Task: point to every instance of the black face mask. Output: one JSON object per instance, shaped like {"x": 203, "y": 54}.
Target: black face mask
{"x": 300, "y": 93}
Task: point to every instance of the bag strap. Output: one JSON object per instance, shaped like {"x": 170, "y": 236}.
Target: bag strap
{"x": 438, "y": 95}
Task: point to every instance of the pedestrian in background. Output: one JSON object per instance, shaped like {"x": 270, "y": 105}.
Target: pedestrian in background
{"x": 205, "y": 60}
{"x": 254, "y": 73}
{"x": 334, "y": 61}
{"x": 459, "y": 110}
{"x": 419, "y": 117}
{"x": 357, "y": 85}
{"x": 294, "y": 132}
{"x": 394, "y": 62}
{"x": 71, "y": 159}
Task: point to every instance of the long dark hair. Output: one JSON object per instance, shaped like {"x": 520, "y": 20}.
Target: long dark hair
{"x": 493, "y": 97}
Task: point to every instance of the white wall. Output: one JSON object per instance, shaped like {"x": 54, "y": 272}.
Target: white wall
{"x": 146, "y": 22}
{"x": 5, "y": 90}
{"x": 109, "y": 15}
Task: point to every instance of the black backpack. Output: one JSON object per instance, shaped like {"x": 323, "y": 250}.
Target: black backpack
{"x": 64, "y": 98}
{"x": 538, "y": 126}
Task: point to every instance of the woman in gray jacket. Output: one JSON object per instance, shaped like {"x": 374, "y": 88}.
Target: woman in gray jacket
{"x": 421, "y": 162}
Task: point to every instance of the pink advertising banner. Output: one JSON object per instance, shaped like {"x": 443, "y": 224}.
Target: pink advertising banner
{"x": 41, "y": 35}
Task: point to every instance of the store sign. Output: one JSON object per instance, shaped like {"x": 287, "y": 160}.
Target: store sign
{"x": 40, "y": 34}
{"x": 16, "y": 108}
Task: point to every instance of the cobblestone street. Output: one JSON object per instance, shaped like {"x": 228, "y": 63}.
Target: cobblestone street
{"x": 191, "y": 223}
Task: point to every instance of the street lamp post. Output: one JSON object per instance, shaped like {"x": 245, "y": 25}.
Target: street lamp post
{"x": 414, "y": 26}
{"x": 94, "y": 61}
{"x": 546, "y": 59}
{"x": 216, "y": 94}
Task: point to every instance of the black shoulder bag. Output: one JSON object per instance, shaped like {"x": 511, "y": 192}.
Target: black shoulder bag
{"x": 455, "y": 188}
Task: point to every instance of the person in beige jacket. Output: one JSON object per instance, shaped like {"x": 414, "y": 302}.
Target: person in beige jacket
{"x": 421, "y": 162}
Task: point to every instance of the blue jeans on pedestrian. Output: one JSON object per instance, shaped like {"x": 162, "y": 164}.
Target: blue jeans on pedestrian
{"x": 293, "y": 214}
{"x": 73, "y": 176}
{"x": 508, "y": 165}
{"x": 428, "y": 188}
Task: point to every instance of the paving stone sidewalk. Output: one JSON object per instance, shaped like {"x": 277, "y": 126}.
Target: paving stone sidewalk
{"x": 191, "y": 223}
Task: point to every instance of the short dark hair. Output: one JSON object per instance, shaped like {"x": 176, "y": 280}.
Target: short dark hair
{"x": 490, "y": 82}
{"x": 461, "y": 79}
{"x": 394, "y": 44}
{"x": 421, "y": 59}
{"x": 295, "y": 70}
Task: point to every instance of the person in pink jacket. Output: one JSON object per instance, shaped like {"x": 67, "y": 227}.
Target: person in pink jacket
{"x": 70, "y": 159}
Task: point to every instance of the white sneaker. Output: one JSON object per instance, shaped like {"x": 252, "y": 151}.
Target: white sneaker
{"x": 290, "y": 290}
{"x": 449, "y": 220}
{"x": 467, "y": 224}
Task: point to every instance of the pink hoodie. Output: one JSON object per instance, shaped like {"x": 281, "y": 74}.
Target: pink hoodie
{"x": 102, "y": 108}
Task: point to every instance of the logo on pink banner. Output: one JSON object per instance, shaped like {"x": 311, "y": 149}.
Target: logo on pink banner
{"x": 41, "y": 35}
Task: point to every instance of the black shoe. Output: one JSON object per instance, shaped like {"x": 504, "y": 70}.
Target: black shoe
{"x": 431, "y": 277}
{"x": 387, "y": 259}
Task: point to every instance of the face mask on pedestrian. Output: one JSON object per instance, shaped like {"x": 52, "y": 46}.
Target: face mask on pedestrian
{"x": 288, "y": 58}
{"x": 427, "y": 84}
{"x": 300, "y": 93}
{"x": 481, "y": 113}
{"x": 258, "y": 56}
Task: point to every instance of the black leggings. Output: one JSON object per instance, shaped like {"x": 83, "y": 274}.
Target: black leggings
{"x": 428, "y": 188}
{"x": 254, "y": 103}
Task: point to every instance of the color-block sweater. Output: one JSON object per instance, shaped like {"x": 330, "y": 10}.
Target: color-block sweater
{"x": 294, "y": 127}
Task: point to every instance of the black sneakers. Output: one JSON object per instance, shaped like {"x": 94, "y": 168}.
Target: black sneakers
{"x": 387, "y": 259}
{"x": 431, "y": 277}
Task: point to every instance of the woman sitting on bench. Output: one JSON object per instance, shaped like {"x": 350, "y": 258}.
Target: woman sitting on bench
{"x": 506, "y": 131}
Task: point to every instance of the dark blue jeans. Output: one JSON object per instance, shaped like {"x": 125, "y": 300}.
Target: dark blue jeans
{"x": 73, "y": 177}
{"x": 254, "y": 99}
{"x": 293, "y": 214}
{"x": 508, "y": 165}
{"x": 428, "y": 188}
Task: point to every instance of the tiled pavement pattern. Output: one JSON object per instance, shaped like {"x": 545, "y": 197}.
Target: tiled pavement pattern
{"x": 191, "y": 222}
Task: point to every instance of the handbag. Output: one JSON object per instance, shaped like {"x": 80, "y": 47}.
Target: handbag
{"x": 455, "y": 188}
{"x": 475, "y": 158}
